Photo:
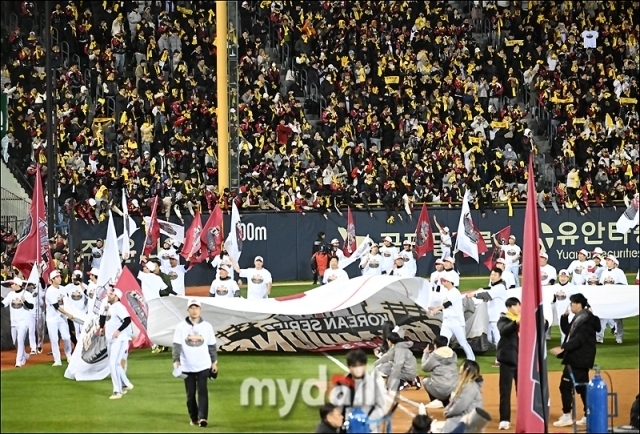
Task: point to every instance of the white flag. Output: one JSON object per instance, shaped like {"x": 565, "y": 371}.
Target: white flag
{"x": 362, "y": 250}
{"x": 234, "y": 240}
{"x": 468, "y": 239}
{"x": 123, "y": 246}
{"x": 629, "y": 218}
{"x": 172, "y": 230}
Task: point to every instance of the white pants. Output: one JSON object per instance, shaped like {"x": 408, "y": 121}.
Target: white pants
{"x": 493, "y": 333}
{"x": 53, "y": 328}
{"x": 515, "y": 270}
{"x": 603, "y": 326}
{"x": 33, "y": 332}
{"x": 459, "y": 332}
{"x": 18, "y": 334}
{"x": 446, "y": 251}
{"x": 117, "y": 350}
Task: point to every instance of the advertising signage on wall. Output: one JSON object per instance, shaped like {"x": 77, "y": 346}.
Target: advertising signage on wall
{"x": 285, "y": 240}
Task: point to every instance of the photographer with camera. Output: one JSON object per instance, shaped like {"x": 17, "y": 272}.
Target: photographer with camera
{"x": 442, "y": 362}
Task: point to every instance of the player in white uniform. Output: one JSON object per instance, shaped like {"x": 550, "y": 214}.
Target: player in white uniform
{"x": 334, "y": 272}
{"x": 336, "y": 250}
{"x": 151, "y": 283}
{"x": 115, "y": 323}
{"x": 453, "y": 322}
{"x": 20, "y": 302}
{"x": 258, "y": 278}
{"x": 612, "y": 276}
{"x": 370, "y": 264}
{"x": 579, "y": 268}
{"x": 36, "y": 288}
{"x": 598, "y": 266}
{"x": 76, "y": 293}
{"x": 563, "y": 289}
{"x": 55, "y": 298}
{"x": 495, "y": 296}
{"x": 548, "y": 272}
{"x": 176, "y": 271}
{"x": 400, "y": 268}
{"x": 223, "y": 259}
{"x": 96, "y": 253}
{"x": 165, "y": 253}
{"x": 410, "y": 258}
{"x": 223, "y": 285}
{"x": 512, "y": 256}
{"x": 388, "y": 252}
{"x": 92, "y": 287}
{"x": 437, "y": 292}
{"x": 509, "y": 279}
{"x": 445, "y": 239}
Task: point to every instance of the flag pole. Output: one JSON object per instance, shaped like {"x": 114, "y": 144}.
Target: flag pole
{"x": 52, "y": 166}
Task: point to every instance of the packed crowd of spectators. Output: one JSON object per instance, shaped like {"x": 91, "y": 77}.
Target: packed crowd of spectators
{"x": 413, "y": 108}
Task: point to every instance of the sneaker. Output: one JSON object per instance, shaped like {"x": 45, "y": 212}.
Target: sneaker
{"x": 565, "y": 420}
{"x": 613, "y": 330}
{"x": 436, "y": 403}
{"x": 128, "y": 387}
{"x": 193, "y": 423}
{"x": 33, "y": 352}
{"x": 504, "y": 425}
{"x": 57, "y": 364}
{"x": 418, "y": 383}
{"x": 600, "y": 340}
{"x": 496, "y": 364}
{"x": 405, "y": 384}
{"x": 203, "y": 423}
{"x": 18, "y": 365}
{"x": 116, "y": 396}
{"x": 39, "y": 350}
{"x": 582, "y": 422}
{"x": 156, "y": 350}
{"x": 618, "y": 340}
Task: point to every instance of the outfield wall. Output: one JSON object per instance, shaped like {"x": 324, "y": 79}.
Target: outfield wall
{"x": 285, "y": 239}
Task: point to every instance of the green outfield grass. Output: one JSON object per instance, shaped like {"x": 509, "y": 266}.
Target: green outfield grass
{"x": 38, "y": 399}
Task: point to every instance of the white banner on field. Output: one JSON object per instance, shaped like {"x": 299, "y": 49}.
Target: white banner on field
{"x": 361, "y": 251}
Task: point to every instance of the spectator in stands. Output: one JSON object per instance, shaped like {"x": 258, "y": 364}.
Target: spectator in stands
{"x": 410, "y": 112}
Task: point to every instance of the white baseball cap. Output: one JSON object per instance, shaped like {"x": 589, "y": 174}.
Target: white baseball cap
{"x": 544, "y": 255}
{"x": 613, "y": 259}
{"x": 439, "y": 261}
{"x": 584, "y": 252}
{"x": 258, "y": 258}
{"x": 335, "y": 241}
{"x": 563, "y": 271}
{"x": 450, "y": 276}
{"x": 117, "y": 293}
{"x": 512, "y": 237}
{"x": 77, "y": 273}
{"x": 406, "y": 243}
{"x": 449, "y": 259}
{"x": 15, "y": 281}
{"x": 94, "y": 271}
{"x": 150, "y": 265}
{"x": 224, "y": 267}
{"x": 194, "y": 302}
{"x": 501, "y": 261}
{"x": 388, "y": 239}
{"x": 54, "y": 274}
{"x": 445, "y": 229}
{"x": 597, "y": 251}
{"x": 398, "y": 256}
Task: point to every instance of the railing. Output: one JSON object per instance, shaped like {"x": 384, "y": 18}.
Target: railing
{"x": 12, "y": 221}
{"x": 19, "y": 174}
{"x": 15, "y": 209}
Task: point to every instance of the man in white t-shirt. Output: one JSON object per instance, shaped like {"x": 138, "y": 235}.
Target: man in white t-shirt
{"x": 445, "y": 239}
{"x": 612, "y": 275}
{"x": 336, "y": 250}
{"x": 96, "y": 253}
{"x": 410, "y": 258}
{"x": 334, "y": 272}
{"x": 223, "y": 259}
{"x": 165, "y": 253}
{"x": 258, "y": 278}
{"x": 548, "y": 272}
{"x": 151, "y": 283}
{"x": 55, "y": 299}
{"x": 76, "y": 294}
{"x": 589, "y": 38}
{"x": 580, "y": 267}
{"x": 115, "y": 323}
{"x": 371, "y": 264}
{"x": 495, "y": 295}
{"x": 388, "y": 252}
{"x": 400, "y": 268}
{"x": 21, "y": 303}
{"x": 562, "y": 290}
{"x": 453, "y": 323}
{"x": 512, "y": 255}
{"x": 437, "y": 292}
{"x": 176, "y": 272}
{"x": 507, "y": 277}
{"x": 223, "y": 285}
{"x": 92, "y": 287}
{"x": 195, "y": 358}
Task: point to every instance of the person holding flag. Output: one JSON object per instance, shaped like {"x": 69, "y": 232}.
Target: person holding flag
{"x": 370, "y": 263}
{"x": 445, "y": 239}
{"x": 176, "y": 271}
{"x": 20, "y": 302}
{"x": 35, "y": 286}
{"x": 512, "y": 256}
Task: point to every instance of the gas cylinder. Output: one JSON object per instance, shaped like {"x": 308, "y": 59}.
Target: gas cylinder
{"x": 597, "y": 404}
{"x": 357, "y": 422}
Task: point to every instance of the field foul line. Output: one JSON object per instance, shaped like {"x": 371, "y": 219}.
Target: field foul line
{"x": 344, "y": 367}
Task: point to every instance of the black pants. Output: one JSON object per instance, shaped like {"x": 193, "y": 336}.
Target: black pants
{"x": 72, "y": 333}
{"x": 566, "y": 388}
{"x": 445, "y": 401}
{"x": 197, "y": 381}
{"x": 508, "y": 376}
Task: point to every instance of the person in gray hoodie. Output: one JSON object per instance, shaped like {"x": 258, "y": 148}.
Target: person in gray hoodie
{"x": 466, "y": 397}
{"x": 442, "y": 362}
{"x": 398, "y": 364}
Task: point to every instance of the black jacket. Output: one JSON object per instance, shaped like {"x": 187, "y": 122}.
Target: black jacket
{"x": 324, "y": 428}
{"x": 580, "y": 342}
{"x": 507, "y": 353}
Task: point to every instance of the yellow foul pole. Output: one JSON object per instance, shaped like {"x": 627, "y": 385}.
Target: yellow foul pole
{"x": 222, "y": 90}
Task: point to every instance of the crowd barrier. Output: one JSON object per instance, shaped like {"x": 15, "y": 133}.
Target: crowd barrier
{"x": 285, "y": 240}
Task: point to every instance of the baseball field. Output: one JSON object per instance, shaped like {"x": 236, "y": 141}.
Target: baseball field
{"x": 37, "y": 398}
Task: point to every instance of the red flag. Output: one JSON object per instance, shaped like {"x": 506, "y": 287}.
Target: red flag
{"x": 152, "y": 231}
{"x": 136, "y": 305}
{"x": 424, "y": 233}
{"x": 502, "y": 236}
{"x": 33, "y": 246}
{"x": 350, "y": 243}
{"x": 533, "y": 386}
{"x": 212, "y": 236}
{"x": 192, "y": 250}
